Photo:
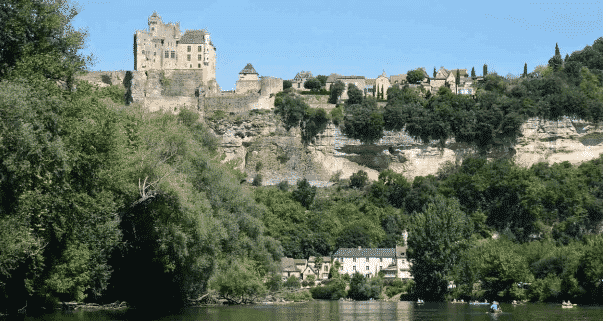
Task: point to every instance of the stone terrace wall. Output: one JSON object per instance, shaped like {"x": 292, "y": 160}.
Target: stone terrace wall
{"x": 170, "y": 104}
{"x": 243, "y": 86}
{"x": 235, "y": 103}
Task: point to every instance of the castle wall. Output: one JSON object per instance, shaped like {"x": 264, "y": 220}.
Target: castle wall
{"x": 169, "y": 104}
{"x": 271, "y": 85}
{"x": 249, "y": 86}
{"x": 231, "y": 103}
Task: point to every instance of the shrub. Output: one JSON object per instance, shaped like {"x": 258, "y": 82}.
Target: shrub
{"x": 299, "y": 296}
{"x": 335, "y": 289}
{"x": 257, "y": 180}
{"x": 283, "y": 186}
{"x": 359, "y": 179}
{"x": 292, "y": 282}
{"x": 259, "y": 166}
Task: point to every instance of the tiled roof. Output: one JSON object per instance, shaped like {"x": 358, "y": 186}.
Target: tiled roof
{"x": 193, "y": 37}
{"x": 300, "y": 262}
{"x": 366, "y": 252}
{"x": 303, "y": 75}
{"x": 370, "y": 81}
{"x": 312, "y": 259}
{"x": 352, "y": 77}
{"x": 248, "y": 69}
{"x": 332, "y": 78}
{"x": 287, "y": 264}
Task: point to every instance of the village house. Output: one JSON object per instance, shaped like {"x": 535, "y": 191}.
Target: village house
{"x": 322, "y": 272}
{"x": 298, "y": 82}
{"x": 370, "y": 261}
{"x": 358, "y": 81}
{"x": 447, "y": 78}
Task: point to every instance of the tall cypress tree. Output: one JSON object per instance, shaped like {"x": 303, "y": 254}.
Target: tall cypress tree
{"x": 434, "y": 72}
{"x": 525, "y": 70}
{"x": 556, "y": 61}
{"x": 473, "y": 72}
{"x": 557, "y": 52}
{"x": 485, "y": 69}
{"x": 457, "y": 81}
{"x": 382, "y": 93}
{"x": 566, "y": 58}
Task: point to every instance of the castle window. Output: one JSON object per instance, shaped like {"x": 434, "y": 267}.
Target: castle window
{"x": 367, "y": 268}
{"x": 199, "y": 57}
{"x": 188, "y": 57}
{"x": 199, "y": 48}
{"x": 172, "y": 54}
{"x": 199, "y": 66}
{"x": 189, "y": 65}
{"x": 153, "y": 29}
{"x": 188, "y": 48}
{"x": 154, "y": 53}
{"x": 165, "y": 54}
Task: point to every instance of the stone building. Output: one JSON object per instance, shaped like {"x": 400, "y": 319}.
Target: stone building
{"x": 163, "y": 47}
{"x": 358, "y": 81}
{"x": 381, "y": 85}
{"x": 447, "y": 78}
{"x": 299, "y": 81}
{"x": 248, "y": 81}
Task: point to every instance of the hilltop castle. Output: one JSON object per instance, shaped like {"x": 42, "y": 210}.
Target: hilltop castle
{"x": 163, "y": 47}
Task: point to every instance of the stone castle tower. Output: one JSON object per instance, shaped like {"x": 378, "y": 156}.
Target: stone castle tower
{"x": 163, "y": 46}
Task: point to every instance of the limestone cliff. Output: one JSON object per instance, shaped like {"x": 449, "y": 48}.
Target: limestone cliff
{"x": 257, "y": 143}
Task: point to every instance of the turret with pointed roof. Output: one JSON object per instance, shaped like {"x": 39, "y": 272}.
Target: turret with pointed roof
{"x": 248, "y": 69}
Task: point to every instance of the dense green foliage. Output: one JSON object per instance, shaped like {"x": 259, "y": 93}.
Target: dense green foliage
{"x": 415, "y": 76}
{"x": 363, "y": 120}
{"x": 437, "y": 238}
{"x": 313, "y": 84}
{"x": 99, "y": 201}
{"x": 362, "y": 288}
{"x": 294, "y": 113}
{"x": 286, "y": 84}
{"x": 336, "y": 90}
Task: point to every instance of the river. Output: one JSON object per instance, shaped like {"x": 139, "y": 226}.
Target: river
{"x": 349, "y": 311}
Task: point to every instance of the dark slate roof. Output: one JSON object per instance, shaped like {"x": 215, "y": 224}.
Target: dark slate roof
{"x": 287, "y": 264}
{"x": 303, "y": 75}
{"x": 312, "y": 259}
{"x": 300, "y": 261}
{"x": 193, "y": 37}
{"x": 248, "y": 69}
{"x": 352, "y": 77}
{"x": 366, "y": 252}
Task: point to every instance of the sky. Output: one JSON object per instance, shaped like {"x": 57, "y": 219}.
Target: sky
{"x": 364, "y": 38}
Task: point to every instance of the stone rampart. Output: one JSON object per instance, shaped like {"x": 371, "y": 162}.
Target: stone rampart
{"x": 235, "y": 103}
{"x": 271, "y": 85}
{"x": 170, "y": 104}
{"x": 248, "y": 86}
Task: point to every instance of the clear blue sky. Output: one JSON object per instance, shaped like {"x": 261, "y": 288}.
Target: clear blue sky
{"x": 281, "y": 38}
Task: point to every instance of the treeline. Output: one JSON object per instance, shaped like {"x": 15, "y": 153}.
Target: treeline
{"x": 448, "y": 216}
{"x": 100, "y": 202}
{"x": 490, "y": 119}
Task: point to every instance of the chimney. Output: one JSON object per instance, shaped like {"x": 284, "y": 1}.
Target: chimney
{"x": 359, "y": 248}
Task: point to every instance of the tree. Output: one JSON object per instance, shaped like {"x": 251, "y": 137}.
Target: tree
{"x": 556, "y": 61}
{"x": 37, "y": 40}
{"x": 525, "y": 70}
{"x": 415, "y": 76}
{"x": 437, "y": 238}
{"x": 363, "y": 121}
{"x": 336, "y": 90}
{"x": 473, "y": 72}
{"x": 485, "y": 70}
{"x": 286, "y": 84}
{"x": 457, "y": 80}
{"x": 305, "y": 193}
{"x": 258, "y": 180}
{"x": 355, "y": 95}
{"x": 322, "y": 79}
{"x": 358, "y": 180}
{"x": 292, "y": 282}
{"x": 436, "y": 73}
{"x": 238, "y": 282}
{"x": 313, "y": 84}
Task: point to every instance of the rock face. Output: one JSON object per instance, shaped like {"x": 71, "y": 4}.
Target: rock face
{"x": 257, "y": 143}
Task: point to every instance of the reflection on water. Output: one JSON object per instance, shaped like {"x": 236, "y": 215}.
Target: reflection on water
{"x": 348, "y": 311}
